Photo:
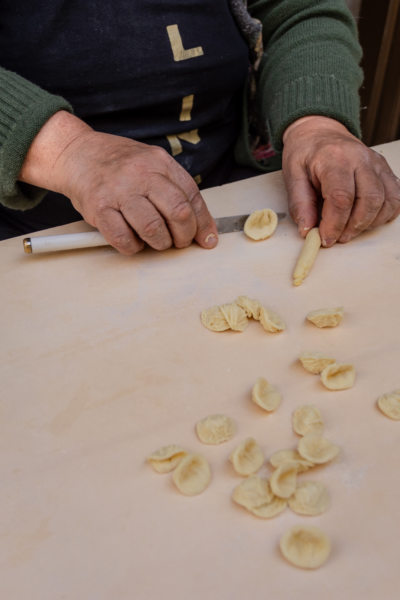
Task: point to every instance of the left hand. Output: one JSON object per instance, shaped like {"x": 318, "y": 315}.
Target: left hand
{"x": 359, "y": 191}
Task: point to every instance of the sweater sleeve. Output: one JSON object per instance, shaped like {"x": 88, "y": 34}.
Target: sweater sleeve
{"x": 310, "y": 64}
{"x": 24, "y": 108}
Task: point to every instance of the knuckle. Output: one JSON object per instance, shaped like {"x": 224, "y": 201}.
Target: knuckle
{"x": 125, "y": 244}
{"x": 198, "y": 205}
{"x": 152, "y": 228}
{"x": 159, "y": 154}
{"x": 339, "y": 199}
{"x": 181, "y": 211}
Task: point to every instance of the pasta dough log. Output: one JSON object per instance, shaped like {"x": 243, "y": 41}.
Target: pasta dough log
{"x": 305, "y": 547}
{"x": 261, "y": 224}
{"x": 307, "y": 256}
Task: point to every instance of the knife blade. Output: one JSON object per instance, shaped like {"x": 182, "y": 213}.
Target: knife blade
{"x": 91, "y": 239}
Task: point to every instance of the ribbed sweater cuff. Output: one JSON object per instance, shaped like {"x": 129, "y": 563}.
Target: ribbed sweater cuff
{"x": 24, "y": 108}
{"x": 312, "y": 95}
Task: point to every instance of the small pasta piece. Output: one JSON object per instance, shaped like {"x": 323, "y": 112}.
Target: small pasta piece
{"x": 271, "y": 321}
{"x": 310, "y": 498}
{"x": 265, "y": 395}
{"x": 283, "y": 480}
{"x": 255, "y": 495}
{"x": 338, "y": 376}
{"x": 389, "y": 404}
{"x": 235, "y": 316}
{"x": 271, "y": 509}
{"x": 307, "y": 256}
{"x": 305, "y": 546}
{"x": 247, "y": 458}
{"x": 307, "y": 418}
{"x": 326, "y": 317}
{"x": 261, "y": 224}
{"x": 250, "y": 306}
{"x": 315, "y": 362}
{"x": 213, "y": 318}
{"x": 165, "y": 459}
{"x": 253, "y": 491}
{"x": 283, "y": 456}
{"x": 317, "y": 449}
{"x": 215, "y": 429}
{"x": 192, "y": 475}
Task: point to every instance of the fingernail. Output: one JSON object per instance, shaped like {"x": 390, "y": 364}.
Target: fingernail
{"x": 326, "y": 242}
{"x": 302, "y": 228}
{"x": 211, "y": 240}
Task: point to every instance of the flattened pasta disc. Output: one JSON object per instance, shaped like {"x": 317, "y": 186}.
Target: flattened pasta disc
{"x": 261, "y": 224}
{"x": 389, "y": 404}
{"x": 247, "y": 458}
{"x": 165, "y": 459}
{"x": 192, "y": 475}
{"x": 215, "y": 429}
{"x": 307, "y": 418}
{"x": 338, "y": 377}
{"x": 326, "y": 317}
{"x": 317, "y": 449}
{"x": 309, "y": 498}
{"x": 305, "y": 546}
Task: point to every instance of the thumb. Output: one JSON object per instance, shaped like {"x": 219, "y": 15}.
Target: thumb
{"x": 302, "y": 201}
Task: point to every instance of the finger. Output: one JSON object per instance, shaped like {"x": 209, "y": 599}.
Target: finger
{"x": 117, "y": 232}
{"x": 207, "y": 233}
{"x": 146, "y": 221}
{"x": 174, "y": 206}
{"x": 206, "y": 230}
{"x": 370, "y": 198}
{"x": 337, "y": 189}
{"x": 391, "y": 208}
{"x": 302, "y": 201}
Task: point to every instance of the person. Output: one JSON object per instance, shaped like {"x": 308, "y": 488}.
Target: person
{"x": 120, "y": 111}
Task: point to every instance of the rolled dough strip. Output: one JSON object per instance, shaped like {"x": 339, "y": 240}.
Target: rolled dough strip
{"x": 307, "y": 256}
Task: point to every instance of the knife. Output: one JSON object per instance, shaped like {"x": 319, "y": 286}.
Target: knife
{"x": 90, "y": 239}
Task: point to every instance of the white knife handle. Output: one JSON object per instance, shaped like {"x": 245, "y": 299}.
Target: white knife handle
{"x": 67, "y": 241}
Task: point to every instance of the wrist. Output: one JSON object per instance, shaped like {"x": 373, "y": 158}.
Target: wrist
{"x": 313, "y": 122}
{"x": 56, "y": 135}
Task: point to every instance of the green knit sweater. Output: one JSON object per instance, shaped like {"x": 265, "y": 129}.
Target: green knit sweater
{"x": 309, "y": 66}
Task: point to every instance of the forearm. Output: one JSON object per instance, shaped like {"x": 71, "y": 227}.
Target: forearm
{"x": 24, "y": 109}
{"x": 310, "y": 65}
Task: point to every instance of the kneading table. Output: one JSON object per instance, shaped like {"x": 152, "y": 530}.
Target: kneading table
{"x": 103, "y": 359}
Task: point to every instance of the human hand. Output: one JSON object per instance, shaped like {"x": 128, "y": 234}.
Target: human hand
{"x": 131, "y": 192}
{"x": 323, "y": 161}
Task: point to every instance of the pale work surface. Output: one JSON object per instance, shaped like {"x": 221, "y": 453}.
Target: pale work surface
{"x": 104, "y": 359}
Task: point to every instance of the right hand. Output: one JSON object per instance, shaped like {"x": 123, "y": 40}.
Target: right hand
{"x": 131, "y": 192}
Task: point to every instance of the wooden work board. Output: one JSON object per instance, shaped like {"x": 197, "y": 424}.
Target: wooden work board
{"x": 103, "y": 359}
